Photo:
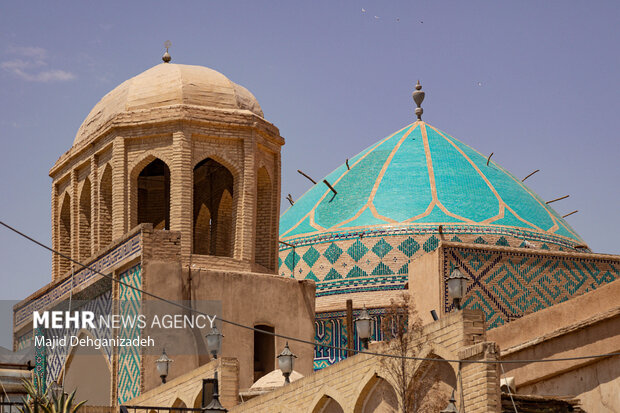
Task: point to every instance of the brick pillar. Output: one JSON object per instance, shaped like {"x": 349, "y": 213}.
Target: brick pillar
{"x": 55, "y": 243}
{"x": 94, "y": 204}
{"x": 276, "y": 209}
{"x": 480, "y": 382}
{"x": 181, "y": 189}
{"x": 245, "y": 194}
{"x": 75, "y": 215}
{"x": 119, "y": 188}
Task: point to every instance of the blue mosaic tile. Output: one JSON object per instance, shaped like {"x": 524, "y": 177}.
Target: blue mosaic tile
{"x": 382, "y": 269}
{"x": 409, "y": 247}
{"x": 332, "y": 253}
{"x": 332, "y": 275}
{"x": 431, "y": 244}
{"x": 381, "y": 248}
{"x": 292, "y": 259}
{"x": 480, "y": 240}
{"x": 311, "y": 276}
{"x": 502, "y": 242}
{"x": 311, "y": 255}
{"x": 357, "y": 250}
{"x": 356, "y": 272}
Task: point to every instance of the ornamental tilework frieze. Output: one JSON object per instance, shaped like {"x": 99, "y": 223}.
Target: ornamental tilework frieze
{"x": 506, "y": 285}
{"x": 129, "y": 357}
{"x": 331, "y": 330}
{"x": 129, "y": 249}
{"x": 378, "y": 260}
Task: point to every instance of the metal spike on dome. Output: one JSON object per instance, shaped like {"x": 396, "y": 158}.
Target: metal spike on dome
{"x": 166, "y": 57}
{"x": 418, "y": 98}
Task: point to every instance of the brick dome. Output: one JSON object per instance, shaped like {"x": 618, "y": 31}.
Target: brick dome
{"x": 164, "y": 85}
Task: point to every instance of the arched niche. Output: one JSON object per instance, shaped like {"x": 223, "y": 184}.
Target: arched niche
{"x": 105, "y": 207}
{"x": 264, "y": 245}
{"x": 432, "y": 384}
{"x": 213, "y": 212}
{"x": 64, "y": 235}
{"x": 154, "y": 195}
{"x": 377, "y": 396}
{"x": 84, "y": 222}
{"x": 88, "y": 373}
{"x": 327, "y": 404}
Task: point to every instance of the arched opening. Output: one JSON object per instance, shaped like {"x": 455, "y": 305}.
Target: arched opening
{"x": 88, "y": 373}
{"x": 432, "y": 385}
{"x": 84, "y": 223}
{"x": 263, "y": 243}
{"x": 154, "y": 195}
{"x": 381, "y": 398}
{"x": 213, "y": 209}
{"x": 64, "y": 235}
{"x": 178, "y": 404}
{"x": 264, "y": 351}
{"x": 376, "y": 396}
{"x": 327, "y": 405}
{"x": 105, "y": 207}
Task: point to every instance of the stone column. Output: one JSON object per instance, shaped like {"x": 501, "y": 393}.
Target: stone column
{"x": 119, "y": 189}
{"x": 181, "y": 189}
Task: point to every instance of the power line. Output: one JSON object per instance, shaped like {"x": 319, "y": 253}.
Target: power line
{"x": 295, "y": 339}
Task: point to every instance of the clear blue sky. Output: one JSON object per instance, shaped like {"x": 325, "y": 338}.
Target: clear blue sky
{"x": 534, "y": 82}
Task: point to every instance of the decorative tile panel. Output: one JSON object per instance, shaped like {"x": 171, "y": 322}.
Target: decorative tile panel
{"x": 507, "y": 284}
{"x": 331, "y": 329}
{"x": 129, "y": 357}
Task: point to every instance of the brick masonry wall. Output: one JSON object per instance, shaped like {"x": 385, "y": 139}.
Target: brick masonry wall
{"x": 459, "y": 335}
{"x": 180, "y": 136}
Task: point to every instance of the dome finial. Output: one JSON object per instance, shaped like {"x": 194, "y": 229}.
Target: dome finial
{"x": 166, "y": 57}
{"x": 418, "y": 98}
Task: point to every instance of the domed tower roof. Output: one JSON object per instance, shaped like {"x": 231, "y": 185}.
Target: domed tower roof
{"x": 164, "y": 85}
{"x": 421, "y": 176}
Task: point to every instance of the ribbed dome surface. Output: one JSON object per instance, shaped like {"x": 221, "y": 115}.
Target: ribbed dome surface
{"x": 421, "y": 176}
{"x": 169, "y": 84}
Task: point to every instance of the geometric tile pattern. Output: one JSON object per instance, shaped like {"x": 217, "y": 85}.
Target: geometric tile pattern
{"x": 507, "y": 284}
{"x": 57, "y": 356}
{"x": 331, "y": 329}
{"x": 128, "y": 249}
{"x": 129, "y": 357}
{"x": 351, "y": 263}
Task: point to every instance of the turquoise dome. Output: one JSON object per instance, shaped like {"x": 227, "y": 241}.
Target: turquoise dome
{"x": 421, "y": 176}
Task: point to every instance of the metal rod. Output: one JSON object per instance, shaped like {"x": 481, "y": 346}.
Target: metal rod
{"x": 347, "y": 162}
{"x": 557, "y": 199}
{"x": 311, "y": 180}
{"x": 489, "y": 158}
{"x": 286, "y": 243}
{"x": 289, "y": 198}
{"x": 330, "y": 187}
{"x": 523, "y": 180}
{"x": 570, "y": 213}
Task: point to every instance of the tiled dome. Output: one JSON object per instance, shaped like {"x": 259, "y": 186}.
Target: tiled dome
{"x": 389, "y": 208}
{"x": 421, "y": 176}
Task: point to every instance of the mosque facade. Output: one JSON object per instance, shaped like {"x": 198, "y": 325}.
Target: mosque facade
{"x": 172, "y": 186}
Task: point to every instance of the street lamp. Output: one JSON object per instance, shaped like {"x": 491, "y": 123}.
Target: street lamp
{"x": 162, "y": 364}
{"x": 286, "y": 360}
{"x": 215, "y": 405}
{"x": 214, "y": 341}
{"x": 363, "y": 325}
{"x": 457, "y": 287}
{"x": 451, "y": 407}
